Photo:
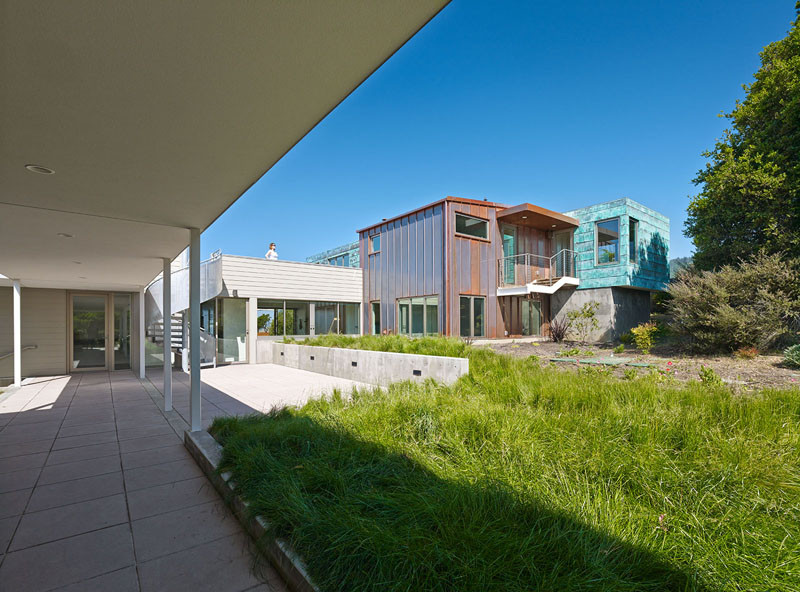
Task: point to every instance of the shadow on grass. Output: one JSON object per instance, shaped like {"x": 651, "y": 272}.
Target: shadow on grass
{"x": 368, "y": 518}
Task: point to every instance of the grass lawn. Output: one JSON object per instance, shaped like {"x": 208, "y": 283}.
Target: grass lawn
{"x": 520, "y": 477}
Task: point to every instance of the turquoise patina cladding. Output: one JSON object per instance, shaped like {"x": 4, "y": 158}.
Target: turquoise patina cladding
{"x": 648, "y": 269}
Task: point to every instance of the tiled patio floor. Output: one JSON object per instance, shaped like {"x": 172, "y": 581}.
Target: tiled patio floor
{"x": 97, "y": 492}
{"x": 240, "y": 389}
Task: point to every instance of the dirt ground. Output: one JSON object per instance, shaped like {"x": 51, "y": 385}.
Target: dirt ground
{"x": 762, "y": 371}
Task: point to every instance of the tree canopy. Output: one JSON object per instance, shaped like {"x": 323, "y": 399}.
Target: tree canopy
{"x": 750, "y": 196}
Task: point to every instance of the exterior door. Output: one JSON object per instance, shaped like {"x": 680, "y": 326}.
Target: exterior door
{"x": 531, "y": 317}
{"x": 89, "y": 334}
{"x": 509, "y": 250}
{"x": 563, "y": 262}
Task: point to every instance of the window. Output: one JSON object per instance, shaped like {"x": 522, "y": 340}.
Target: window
{"x": 376, "y": 318}
{"x": 325, "y": 318}
{"x": 340, "y": 261}
{"x": 348, "y": 318}
{"x": 375, "y": 243}
{"x": 472, "y": 315}
{"x": 607, "y": 233}
{"x": 418, "y": 316}
{"x": 472, "y": 226}
{"x": 633, "y": 239}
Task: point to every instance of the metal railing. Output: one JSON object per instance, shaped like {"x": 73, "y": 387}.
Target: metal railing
{"x": 11, "y": 353}
{"x": 527, "y": 268}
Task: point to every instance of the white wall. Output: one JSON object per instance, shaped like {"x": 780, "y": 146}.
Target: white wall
{"x": 290, "y": 280}
{"x": 44, "y": 323}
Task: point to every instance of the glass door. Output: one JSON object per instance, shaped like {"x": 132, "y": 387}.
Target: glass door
{"x": 563, "y": 263}
{"x": 231, "y": 330}
{"x": 89, "y": 336}
{"x": 531, "y": 317}
{"x": 509, "y": 250}
{"x": 122, "y": 331}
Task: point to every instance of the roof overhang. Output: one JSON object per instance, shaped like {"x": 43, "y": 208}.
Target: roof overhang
{"x": 156, "y": 116}
{"x": 535, "y": 217}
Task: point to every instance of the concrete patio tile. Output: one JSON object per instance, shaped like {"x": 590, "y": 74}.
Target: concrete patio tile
{"x": 18, "y": 480}
{"x": 7, "y": 526}
{"x": 13, "y": 503}
{"x": 153, "y": 475}
{"x": 85, "y": 440}
{"x": 17, "y": 434}
{"x": 59, "y": 523}
{"x": 87, "y": 428}
{"x": 82, "y": 453}
{"x": 43, "y": 416}
{"x": 10, "y": 450}
{"x": 122, "y": 580}
{"x": 172, "y": 496}
{"x": 148, "y": 443}
{"x": 219, "y": 566}
{"x": 26, "y": 461}
{"x": 181, "y": 529}
{"x": 68, "y": 561}
{"x": 79, "y": 469}
{"x": 145, "y": 432}
{"x": 155, "y": 456}
{"x": 77, "y": 490}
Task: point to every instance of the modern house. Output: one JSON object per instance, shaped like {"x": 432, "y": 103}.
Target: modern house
{"x": 480, "y": 269}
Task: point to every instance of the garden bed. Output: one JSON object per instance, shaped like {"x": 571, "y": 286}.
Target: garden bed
{"x": 762, "y": 371}
{"x": 522, "y": 477}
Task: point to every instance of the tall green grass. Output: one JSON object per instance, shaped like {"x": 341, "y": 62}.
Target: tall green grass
{"x": 520, "y": 477}
{"x": 432, "y": 346}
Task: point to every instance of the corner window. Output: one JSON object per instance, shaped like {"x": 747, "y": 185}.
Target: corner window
{"x": 376, "y": 317}
{"x": 472, "y": 316}
{"x": 375, "y": 243}
{"x": 607, "y": 234}
{"x": 633, "y": 239}
{"x": 472, "y": 226}
{"x": 418, "y": 316}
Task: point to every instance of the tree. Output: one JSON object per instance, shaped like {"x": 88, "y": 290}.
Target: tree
{"x": 750, "y": 196}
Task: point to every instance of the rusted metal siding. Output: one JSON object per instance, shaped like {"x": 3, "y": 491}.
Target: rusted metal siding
{"x": 473, "y": 266}
{"x": 409, "y": 264}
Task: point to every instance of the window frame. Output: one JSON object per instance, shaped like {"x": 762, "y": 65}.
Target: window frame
{"x": 471, "y": 236}
{"x": 371, "y": 239}
{"x": 409, "y": 301}
{"x": 472, "y": 298}
{"x": 597, "y": 223}
{"x": 372, "y": 317}
{"x": 633, "y": 243}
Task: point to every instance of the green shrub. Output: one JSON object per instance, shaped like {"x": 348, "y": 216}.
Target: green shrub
{"x": 626, "y": 338}
{"x": 619, "y": 349}
{"x": 584, "y": 320}
{"x": 710, "y": 378}
{"x": 643, "y": 336}
{"x": 791, "y": 356}
{"x": 569, "y": 353}
{"x": 753, "y": 304}
{"x": 630, "y": 373}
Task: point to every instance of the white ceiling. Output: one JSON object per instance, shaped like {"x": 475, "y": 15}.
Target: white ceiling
{"x": 156, "y": 116}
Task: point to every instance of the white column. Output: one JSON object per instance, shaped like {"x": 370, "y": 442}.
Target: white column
{"x": 252, "y": 329}
{"x": 194, "y": 329}
{"x": 17, "y": 334}
{"x": 142, "y": 365}
{"x": 167, "y": 346}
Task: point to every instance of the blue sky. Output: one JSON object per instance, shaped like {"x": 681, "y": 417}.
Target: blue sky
{"x": 561, "y": 104}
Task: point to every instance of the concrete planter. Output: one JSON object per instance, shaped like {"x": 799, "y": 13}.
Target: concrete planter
{"x": 372, "y": 367}
{"x": 207, "y": 453}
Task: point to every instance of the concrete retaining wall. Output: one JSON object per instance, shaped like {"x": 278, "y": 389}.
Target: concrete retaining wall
{"x": 372, "y": 367}
{"x": 620, "y": 309}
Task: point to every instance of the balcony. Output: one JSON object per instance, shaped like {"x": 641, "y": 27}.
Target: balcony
{"x": 519, "y": 275}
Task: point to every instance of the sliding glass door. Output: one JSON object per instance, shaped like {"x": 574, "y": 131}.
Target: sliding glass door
{"x": 100, "y": 331}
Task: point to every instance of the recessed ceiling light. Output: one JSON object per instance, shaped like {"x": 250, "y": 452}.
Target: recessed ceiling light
{"x": 81, "y": 277}
{"x": 63, "y": 235}
{"x": 554, "y": 225}
{"x": 37, "y": 168}
{"x": 524, "y": 217}
{"x": 77, "y": 262}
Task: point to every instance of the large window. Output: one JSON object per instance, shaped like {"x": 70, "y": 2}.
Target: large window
{"x": 348, "y": 318}
{"x": 608, "y": 241}
{"x": 418, "y": 316}
{"x": 633, "y": 239}
{"x": 340, "y": 261}
{"x": 472, "y": 226}
{"x": 376, "y": 317}
{"x": 325, "y": 318}
{"x": 472, "y": 315}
